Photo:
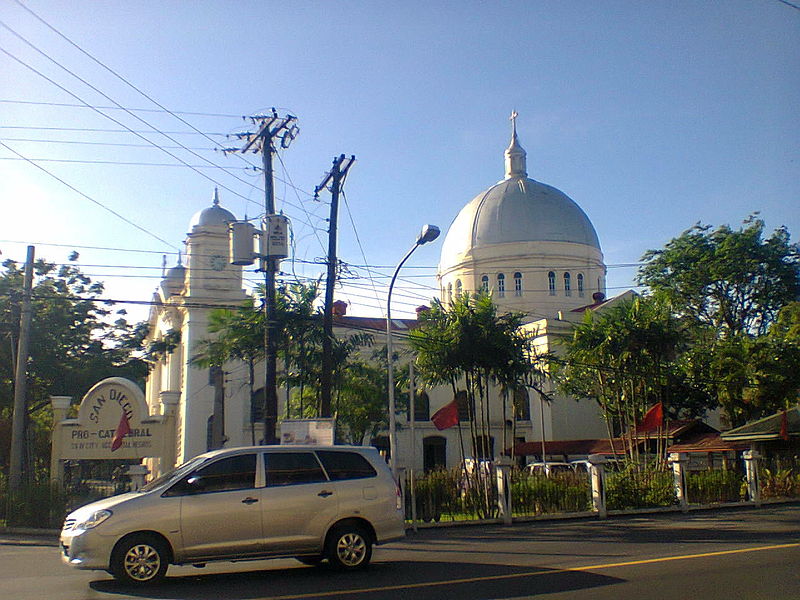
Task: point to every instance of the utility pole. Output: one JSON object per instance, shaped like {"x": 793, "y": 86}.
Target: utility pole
{"x": 335, "y": 177}
{"x": 17, "y": 457}
{"x": 217, "y": 379}
{"x": 270, "y": 128}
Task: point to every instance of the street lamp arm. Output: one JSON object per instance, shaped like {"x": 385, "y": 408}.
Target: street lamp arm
{"x": 428, "y": 234}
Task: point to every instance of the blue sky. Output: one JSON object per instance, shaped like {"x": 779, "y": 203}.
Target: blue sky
{"x": 651, "y": 116}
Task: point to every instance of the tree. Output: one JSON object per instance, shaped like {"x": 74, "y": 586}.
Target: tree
{"x": 729, "y": 287}
{"x": 73, "y": 341}
{"x": 628, "y": 358}
{"x": 733, "y": 280}
{"x": 469, "y": 344}
{"x": 239, "y": 335}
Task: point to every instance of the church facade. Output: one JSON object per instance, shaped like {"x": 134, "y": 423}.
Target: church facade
{"x": 526, "y": 242}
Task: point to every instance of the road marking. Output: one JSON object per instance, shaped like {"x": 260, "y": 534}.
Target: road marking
{"x": 408, "y": 586}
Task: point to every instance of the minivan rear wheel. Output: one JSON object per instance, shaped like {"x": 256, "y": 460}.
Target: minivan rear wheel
{"x": 139, "y": 559}
{"x": 349, "y": 547}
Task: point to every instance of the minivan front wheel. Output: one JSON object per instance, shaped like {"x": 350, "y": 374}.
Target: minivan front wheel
{"x": 139, "y": 559}
{"x": 349, "y": 548}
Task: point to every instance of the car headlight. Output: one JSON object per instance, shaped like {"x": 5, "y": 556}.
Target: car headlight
{"x": 94, "y": 519}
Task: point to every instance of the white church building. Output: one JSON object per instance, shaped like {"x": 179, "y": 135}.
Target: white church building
{"x": 526, "y": 242}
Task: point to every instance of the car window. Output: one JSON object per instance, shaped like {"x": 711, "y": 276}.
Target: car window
{"x": 292, "y": 468}
{"x": 345, "y": 465}
{"x": 227, "y": 474}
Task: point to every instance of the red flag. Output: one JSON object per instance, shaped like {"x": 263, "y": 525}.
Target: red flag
{"x": 784, "y": 426}
{"x": 653, "y": 419}
{"x": 123, "y": 429}
{"x": 446, "y": 417}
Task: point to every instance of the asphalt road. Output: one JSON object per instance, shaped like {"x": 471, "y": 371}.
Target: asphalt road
{"x": 732, "y": 554}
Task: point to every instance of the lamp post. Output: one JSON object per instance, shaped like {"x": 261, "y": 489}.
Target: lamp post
{"x": 428, "y": 234}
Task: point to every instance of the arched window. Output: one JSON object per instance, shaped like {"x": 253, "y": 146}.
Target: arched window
{"x": 567, "y": 284}
{"x": 421, "y": 406}
{"x": 450, "y": 292}
{"x": 599, "y": 285}
{"x": 518, "y": 284}
{"x": 485, "y": 284}
{"x": 501, "y": 285}
{"x": 551, "y": 283}
{"x": 580, "y": 285}
{"x": 458, "y": 289}
{"x": 522, "y": 408}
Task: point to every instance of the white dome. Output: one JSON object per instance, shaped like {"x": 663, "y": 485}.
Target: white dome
{"x": 174, "y": 280}
{"x": 517, "y": 209}
{"x": 213, "y": 215}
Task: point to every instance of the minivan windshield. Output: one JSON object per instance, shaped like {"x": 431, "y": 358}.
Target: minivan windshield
{"x": 175, "y": 473}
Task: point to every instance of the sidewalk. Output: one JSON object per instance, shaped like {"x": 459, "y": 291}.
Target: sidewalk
{"x": 27, "y": 536}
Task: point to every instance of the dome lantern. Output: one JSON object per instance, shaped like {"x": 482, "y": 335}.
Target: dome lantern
{"x": 516, "y": 161}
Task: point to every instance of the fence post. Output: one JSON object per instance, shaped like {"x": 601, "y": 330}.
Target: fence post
{"x": 597, "y": 473}
{"x": 402, "y": 483}
{"x": 137, "y": 473}
{"x": 60, "y": 406}
{"x": 751, "y": 468}
{"x": 169, "y": 406}
{"x": 679, "y": 460}
{"x": 503, "y": 478}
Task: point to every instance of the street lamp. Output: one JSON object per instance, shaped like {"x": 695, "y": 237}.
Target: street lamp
{"x": 428, "y": 234}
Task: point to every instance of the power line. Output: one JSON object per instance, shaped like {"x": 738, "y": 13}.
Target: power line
{"x": 150, "y": 110}
{"x": 89, "y": 198}
{"x": 135, "y": 250}
{"x": 122, "y": 163}
{"x": 85, "y": 143}
{"x": 358, "y": 241}
{"x": 110, "y": 70}
{"x": 109, "y": 117}
{"x": 794, "y": 6}
{"x": 104, "y": 130}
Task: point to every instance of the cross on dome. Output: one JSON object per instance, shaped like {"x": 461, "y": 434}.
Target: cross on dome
{"x": 515, "y": 154}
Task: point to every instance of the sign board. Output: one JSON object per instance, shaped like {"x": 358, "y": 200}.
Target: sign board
{"x": 99, "y": 416}
{"x": 277, "y": 242}
{"x": 313, "y": 432}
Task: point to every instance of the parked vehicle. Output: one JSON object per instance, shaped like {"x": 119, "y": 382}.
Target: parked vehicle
{"x": 548, "y": 468}
{"x": 308, "y": 502}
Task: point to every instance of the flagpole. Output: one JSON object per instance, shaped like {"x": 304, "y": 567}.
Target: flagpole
{"x": 412, "y": 397}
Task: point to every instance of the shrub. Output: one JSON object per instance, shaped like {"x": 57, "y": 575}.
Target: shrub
{"x": 639, "y": 487}
{"x": 537, "y": 493}
{"x": 707, "y": 487}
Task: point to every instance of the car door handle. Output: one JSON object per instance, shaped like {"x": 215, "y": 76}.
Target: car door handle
{"x": 325, "y": 494}
{"x": 249, "y": 500}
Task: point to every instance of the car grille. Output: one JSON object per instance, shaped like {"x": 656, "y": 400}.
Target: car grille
{"x": 69, "y": 524}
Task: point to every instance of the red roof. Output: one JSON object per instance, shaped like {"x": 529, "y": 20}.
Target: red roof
{"x": 569, "y": 447}
{"x": 690, "y": 428}
{"x": 707, "y": 442}
{"x": 374, "y": 323}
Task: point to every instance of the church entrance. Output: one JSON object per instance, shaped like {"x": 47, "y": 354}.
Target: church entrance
{"x": 434, "y": 452}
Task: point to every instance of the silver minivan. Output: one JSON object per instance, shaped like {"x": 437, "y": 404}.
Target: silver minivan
{"x": 308, "y": 502}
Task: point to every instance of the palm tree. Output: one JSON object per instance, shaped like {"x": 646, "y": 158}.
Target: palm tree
{"x": 469, "y": 344}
